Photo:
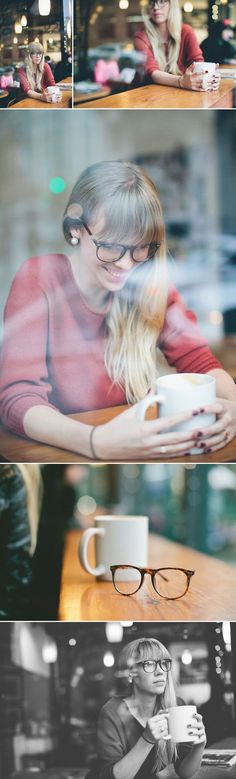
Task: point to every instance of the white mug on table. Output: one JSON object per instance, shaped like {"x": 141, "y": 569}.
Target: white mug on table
{"x": 119, "y": 540}
{"x": 207, "y": 69}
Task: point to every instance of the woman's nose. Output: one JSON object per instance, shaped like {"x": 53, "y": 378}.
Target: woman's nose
{"x": 126, "y": 261}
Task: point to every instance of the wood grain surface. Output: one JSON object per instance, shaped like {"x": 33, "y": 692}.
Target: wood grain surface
{"x": 157, "y": 96}
{"x": 29, "y": 102}
{"x": 211, "y": 595}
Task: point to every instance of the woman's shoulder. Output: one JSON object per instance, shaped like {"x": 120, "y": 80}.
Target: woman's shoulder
{"x": 187, "y": 31}
{"x": 141, "y": 36}
{"x": 113, "y": 704}
{"x": 42, "y": 269}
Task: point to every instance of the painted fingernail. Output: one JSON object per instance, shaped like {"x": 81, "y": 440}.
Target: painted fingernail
{"x": 207, "y": 450}
{"x": 198, "y": 434}
{"x": 198, "y": 411}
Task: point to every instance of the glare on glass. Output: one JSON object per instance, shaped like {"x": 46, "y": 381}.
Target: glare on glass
{"x": 169, "y": 583}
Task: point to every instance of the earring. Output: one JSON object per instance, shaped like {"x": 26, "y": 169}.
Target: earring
{"x": 130, "y": 679}
{"x": 74, "y": 241}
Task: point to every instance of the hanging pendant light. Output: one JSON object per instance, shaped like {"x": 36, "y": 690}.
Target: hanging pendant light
{"x": 44, "y": 7}
{"x": 23, "y": 21}
{"x": 18, "y": 28}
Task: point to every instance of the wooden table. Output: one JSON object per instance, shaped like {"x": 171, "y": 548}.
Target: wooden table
{"x": 157, "y": 96}
{"x": 211, "y": 595}
{"x": 82, "y": 97}
{"x": 29, "y": 102}
{"x": 16, "y": 449}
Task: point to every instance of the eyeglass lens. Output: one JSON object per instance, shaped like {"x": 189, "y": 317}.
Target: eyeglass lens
{"x": 114, "y": 252}
{"x": 168, "y": 583}
{"x": 150, "y": 666}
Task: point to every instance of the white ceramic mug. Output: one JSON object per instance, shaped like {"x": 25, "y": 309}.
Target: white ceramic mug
{"x": 179, "y": 392}
{"x": 118, "y": 540}
{"x": 207, "y": 69}
{"x": 54, "y": 91}
{"x": 178, "y": 721}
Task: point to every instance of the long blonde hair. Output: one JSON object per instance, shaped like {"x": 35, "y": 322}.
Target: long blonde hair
{"x": 34, "y": 77}
{"x": 31, "y": 477}
{"x": 174, "y": 22}
{"x": 128, "y": 201}
{"x": 151, "y": 649}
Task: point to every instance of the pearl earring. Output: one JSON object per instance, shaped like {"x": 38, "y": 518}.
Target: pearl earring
{"x": 130, "y": 679}
{"x": 74, "y": 241}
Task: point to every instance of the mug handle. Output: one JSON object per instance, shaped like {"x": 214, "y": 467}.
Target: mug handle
{"x": 83, "y": 549}
{"x": 144, "y": 404}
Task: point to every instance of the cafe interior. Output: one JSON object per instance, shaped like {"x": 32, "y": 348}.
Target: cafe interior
{"x": 105, "y": 31}
{"x": 191, "y": 511}
{"x": 48, "y": 22}
{"x": 54, "y": 679}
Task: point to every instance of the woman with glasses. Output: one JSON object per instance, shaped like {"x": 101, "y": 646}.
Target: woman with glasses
{"x": 170, "y": 48}
{"x": 91, "y": 329}
{"x": 133, "y": 738}
{"x": 37, "y": 74}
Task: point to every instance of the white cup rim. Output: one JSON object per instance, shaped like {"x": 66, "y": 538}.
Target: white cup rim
{"x": 109, "y": 517}
{"x": 174, "y": 379}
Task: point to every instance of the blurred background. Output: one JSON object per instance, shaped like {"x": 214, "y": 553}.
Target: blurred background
{"x": 193, "y": 165}
{"x": 105, "y": 30}
{"x": 54, "y": 678}
{"x": 193, "y": 505}
{"x": 46, "y": 21}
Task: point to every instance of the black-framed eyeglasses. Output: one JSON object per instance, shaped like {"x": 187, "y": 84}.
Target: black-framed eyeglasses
{"x": 111, "y": 252}
{"x": 150, "y": 666}
{"x": 169, "y": 583}
{"x": 158, "y": 3}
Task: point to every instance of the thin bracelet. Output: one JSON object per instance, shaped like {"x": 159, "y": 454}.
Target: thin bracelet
{"x": 179, "y": 81}
{"x": 91, "y": 443}
{"x": 147, "y": 740}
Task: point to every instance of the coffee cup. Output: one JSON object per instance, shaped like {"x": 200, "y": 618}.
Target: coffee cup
{"x": 178, "y": 720}
{"x": 180, "y": 392}
{"x": 54, "y": 91}
{"x": 207, "y": 69}
{"x": 118, "y": 540}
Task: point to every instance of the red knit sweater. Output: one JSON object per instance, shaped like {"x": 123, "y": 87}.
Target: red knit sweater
{"x": 189, "y": 50}
{"x": 47, "y": 79}
{"x": 53, "y": 350}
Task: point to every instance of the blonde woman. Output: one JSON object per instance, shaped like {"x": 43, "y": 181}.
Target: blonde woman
{"x": 170, "y": 48}
{"x": 37, "y": 75}
{"x": 20, "y": 498}
{"x": 88, "y": 330}
{"x": 133, "y": 728}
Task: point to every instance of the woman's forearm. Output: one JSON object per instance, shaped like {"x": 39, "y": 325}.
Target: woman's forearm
{"x": 51, "y": 427}
{"x": 192, "y": 762}
{"x": 35, "y": 95}
{"x": 129, "y": 765}
{"x": 225, "y": 386}
{"x": 166, "y": 79}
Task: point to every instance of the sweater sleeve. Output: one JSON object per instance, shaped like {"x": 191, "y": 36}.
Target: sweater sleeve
{"x": 24, "y": 371}
{"x": 25, "y": 85}
{"x": 142, "y": 43}
{"x": 181, "y": 339}
{"x": 191, "y": 49}
{"x": 48, "y": 77}
{"x": 110, "y": 743}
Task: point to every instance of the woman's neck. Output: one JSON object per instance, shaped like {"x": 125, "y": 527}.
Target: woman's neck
{"x": 96, "y": 296}
{"x": 143, "y": 704}
{"x": 164, "y": 32}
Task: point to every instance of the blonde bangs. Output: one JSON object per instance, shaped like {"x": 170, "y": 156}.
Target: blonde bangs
{"x": 132, "y": 216}
{"x": 151, "y": 649}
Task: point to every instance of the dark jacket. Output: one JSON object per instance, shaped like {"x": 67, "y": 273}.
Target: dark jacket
{"x": 15, "y": 540}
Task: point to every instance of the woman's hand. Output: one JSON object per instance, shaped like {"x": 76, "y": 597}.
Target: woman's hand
{"x": 223, "y": 430}
{"x": 50, "y": 98}
{"x": 196, "y": 81}
{"x": 156, "y": 728}
{"x": 126, "y": 437}
{"x": 196, "y": 729}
